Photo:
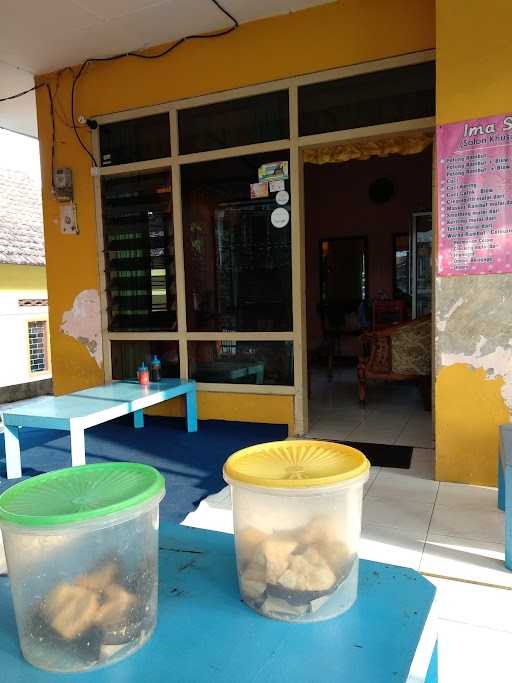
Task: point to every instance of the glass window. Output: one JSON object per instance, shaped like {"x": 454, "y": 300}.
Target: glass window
{"x": 128, "y": 355}
{"x": 38, "y": 345}
{"x": 243, "y": 121}
{"x": 242, "y": 362}
{"x": 402, "y": 265}
{"x": 380, "y": 97}
{"x": 136, "y": 140}
{"x": 139, "y": 251}
{"x": 237, "y": 258}
{"x": 422, "y": 231}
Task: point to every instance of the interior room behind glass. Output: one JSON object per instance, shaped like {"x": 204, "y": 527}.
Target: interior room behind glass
{"x": 237, "y": 263}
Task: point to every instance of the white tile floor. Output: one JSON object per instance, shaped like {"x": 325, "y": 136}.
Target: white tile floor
{"x": 453, "y": 534}
{"x": 394, "y": 412}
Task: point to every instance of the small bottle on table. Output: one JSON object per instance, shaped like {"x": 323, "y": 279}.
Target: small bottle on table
{"x": 143, "y": 374}
{"x": 156, "y": 369}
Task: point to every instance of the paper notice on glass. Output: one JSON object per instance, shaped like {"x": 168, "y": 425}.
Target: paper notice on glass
{"x": 276, "y": 185}
{"x": 259, "y": 190}
{"x": 275, "y": 170}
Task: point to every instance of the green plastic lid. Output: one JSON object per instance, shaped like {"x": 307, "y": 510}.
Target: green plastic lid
{"x": 78, "y": 494}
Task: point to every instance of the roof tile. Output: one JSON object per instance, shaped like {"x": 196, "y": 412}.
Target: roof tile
{"x": 21, "y": 219}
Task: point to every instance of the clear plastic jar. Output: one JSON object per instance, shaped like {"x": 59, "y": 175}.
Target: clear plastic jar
{"x": 297, "y": 524}
{"x": 84, "y": 591}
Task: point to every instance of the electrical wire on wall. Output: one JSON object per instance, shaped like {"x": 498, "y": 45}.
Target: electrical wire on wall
{"x": 59, "y": 108}
{"x": 52, "y": 114}
{"x": 138, "y": 55}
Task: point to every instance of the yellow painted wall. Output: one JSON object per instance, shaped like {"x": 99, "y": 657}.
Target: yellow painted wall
{"x": 332, "y": 35}
{"x": 470, "y": 410}
{"x": 474, "y": 79}
{"x": 232, "y": 406}
{"x": 23, "y": 278}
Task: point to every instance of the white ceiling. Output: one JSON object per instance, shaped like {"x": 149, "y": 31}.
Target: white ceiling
{"x": 38, "y": 36}
{"x": 20, "y": 114}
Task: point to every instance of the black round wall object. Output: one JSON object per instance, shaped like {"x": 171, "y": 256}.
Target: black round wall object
{"x": 381, "y": 190}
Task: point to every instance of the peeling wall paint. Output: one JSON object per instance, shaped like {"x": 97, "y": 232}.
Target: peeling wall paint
{"x": 474, "y": 374}
{"x": 496, "y": 364}
{"x": 83, "y": 323}
{"x": 441, "y": 324}
{"x": 474, "y": 323}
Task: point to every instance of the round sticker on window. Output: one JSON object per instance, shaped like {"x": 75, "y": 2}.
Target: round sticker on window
{"x": 280, "y": 217}
{"x": 282, "y": 197}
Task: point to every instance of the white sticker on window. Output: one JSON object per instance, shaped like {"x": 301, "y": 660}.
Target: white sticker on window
{"x": 282, "y": 197}
{"x": 280, "y": 217}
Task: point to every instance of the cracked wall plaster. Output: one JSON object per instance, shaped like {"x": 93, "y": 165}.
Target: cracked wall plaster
{"x": 474, "y": 326}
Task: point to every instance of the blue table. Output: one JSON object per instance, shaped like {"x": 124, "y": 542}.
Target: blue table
{"x": 226, "y": 371}
{"x": 505, "y": 487}
{"x": 205, "y": 633}
{"x": 82, "y": 409}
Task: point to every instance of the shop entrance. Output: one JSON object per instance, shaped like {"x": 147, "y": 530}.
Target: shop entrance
{"x": 368, "y": 227}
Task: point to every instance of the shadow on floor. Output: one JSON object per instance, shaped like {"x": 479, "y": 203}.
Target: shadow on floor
{"x": 191, "y": 463}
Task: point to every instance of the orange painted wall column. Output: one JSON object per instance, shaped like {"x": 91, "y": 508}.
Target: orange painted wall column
{"x": 474, "y": 313}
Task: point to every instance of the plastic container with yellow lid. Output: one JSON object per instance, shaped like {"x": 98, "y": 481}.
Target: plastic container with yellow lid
{"x": 297, "y": 520}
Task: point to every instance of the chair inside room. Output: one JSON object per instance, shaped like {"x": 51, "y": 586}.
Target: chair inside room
{"x": 387, "y": 312}
{"x": 397, "y": 353}
{"x": 342, "y": 325}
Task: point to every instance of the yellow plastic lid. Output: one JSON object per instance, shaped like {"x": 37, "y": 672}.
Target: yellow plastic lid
{"x": 295, "y": 464}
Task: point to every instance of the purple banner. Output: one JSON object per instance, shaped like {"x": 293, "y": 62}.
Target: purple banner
{"x": 474, "y": 196}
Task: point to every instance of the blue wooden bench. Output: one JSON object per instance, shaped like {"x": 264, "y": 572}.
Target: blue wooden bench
{"x": 505, "y": 487}
{"x": 205, "y": 634}
{"x": 82, "y": 409}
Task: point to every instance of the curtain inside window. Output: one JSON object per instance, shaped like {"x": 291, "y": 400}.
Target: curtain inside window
{"x": 364, "y": 149}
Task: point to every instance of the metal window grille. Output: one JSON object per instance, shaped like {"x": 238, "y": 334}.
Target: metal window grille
{"x": 37, "y": 345}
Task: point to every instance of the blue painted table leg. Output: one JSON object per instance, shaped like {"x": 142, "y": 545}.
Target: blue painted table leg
{"x": 12, "y": 451}
{"x": 432, "y": 669}
{"x": 501, "y": 485}
{"x": 508, "y": 518}
{"x": 191, "y": 411}
{"x": 138, "y": 419}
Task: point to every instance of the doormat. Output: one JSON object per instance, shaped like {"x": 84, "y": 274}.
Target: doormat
{"x": 383, "y": 455}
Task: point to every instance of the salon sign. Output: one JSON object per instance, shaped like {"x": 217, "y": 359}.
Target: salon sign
{"x": 474, "y": 196}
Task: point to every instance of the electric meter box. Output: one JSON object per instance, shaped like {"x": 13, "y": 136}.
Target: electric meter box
{"x": 63, "y": 184}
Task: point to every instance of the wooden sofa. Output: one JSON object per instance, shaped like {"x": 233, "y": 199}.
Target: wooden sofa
{"x": 397, "y": 353}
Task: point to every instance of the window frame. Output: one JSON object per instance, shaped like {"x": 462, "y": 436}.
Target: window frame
{"x": 47, "y": 367}
{"x": 394, "y": 238}
{"x": 295, "y": 145}
{"x": 107, "y": 269}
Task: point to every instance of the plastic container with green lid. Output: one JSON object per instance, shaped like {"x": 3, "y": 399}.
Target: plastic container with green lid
{"x": 82, "y": 554}
{"x": 297, "y": 521}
